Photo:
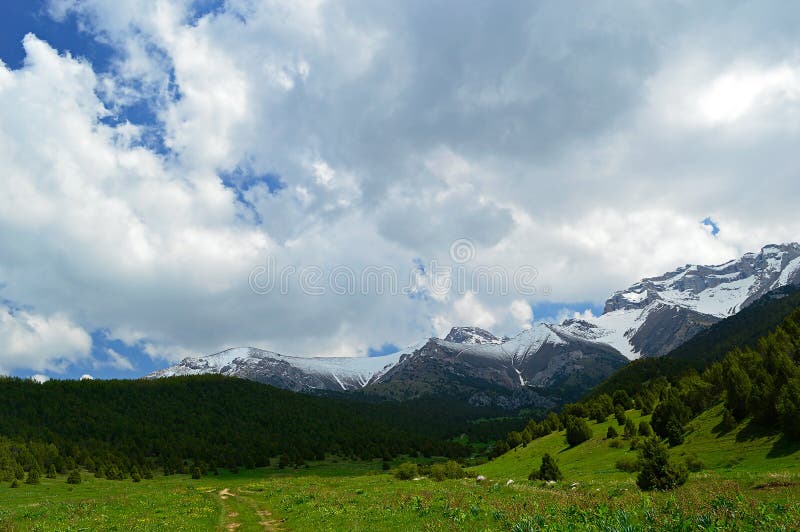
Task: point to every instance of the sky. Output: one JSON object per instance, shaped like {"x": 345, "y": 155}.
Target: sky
{"x": 316, "y": 177}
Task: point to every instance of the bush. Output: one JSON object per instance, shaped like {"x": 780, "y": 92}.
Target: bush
{"x": 728, "y": 421}
{"x": 547, "y": 471}
{"x": 51, "y": 471}
{"x": 630, "y": 429}
{"x": 15, "y": 483}
{"x": 449, "y": 469}
{"x": 578, "y": 431}
{"x": 34, "y": 476}
{"x": 406, "y": 471}
{"x": 196, "y": 473}
{"x": 645, "y": 430}
{"x": 629, "y": 464}
{"x": 658, "y": 472}
{"x": 694, "y": 464}
{"x": 615, "y": 444}
{"x": 611, "y": 433}
{"x": 619, "y": 415}
{"x": 74, "y": 477}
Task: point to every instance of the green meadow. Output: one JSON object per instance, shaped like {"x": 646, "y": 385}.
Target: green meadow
{"x": 747, "y": 481}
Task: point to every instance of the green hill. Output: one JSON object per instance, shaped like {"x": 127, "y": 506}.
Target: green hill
{"x": 740, "y": 452}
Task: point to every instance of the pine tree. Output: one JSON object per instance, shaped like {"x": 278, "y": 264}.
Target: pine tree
{"x": 74, "y": 477}
{"x": 51, "y": 471}
{"x": 611, "y": 433}
{"x": 658, "y": 473}
{"x": 578, "y": 430}
{"x": 547, "y": 471}
{"x": 34, "y": 475}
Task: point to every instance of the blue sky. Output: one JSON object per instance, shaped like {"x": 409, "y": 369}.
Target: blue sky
{"x": 183, "y": 146}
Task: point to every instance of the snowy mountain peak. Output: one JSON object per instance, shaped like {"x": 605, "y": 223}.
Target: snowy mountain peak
{"x": 471, "y": 335}
{"x": 657, "y": 314}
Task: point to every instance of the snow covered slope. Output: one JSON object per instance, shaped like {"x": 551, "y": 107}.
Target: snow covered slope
{"x": 657, "y": 314}
{"x": 289, "y": 372}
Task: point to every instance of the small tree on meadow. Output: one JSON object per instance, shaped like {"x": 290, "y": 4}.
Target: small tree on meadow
{"x": 611, "y": 433}
{"x": 547, "y": 471}
{"x": 578, "y": 431}
{"x": 34, "y": 475}
{"x": 51, "y": 471}
{"x": 74, "y": 477}
{"x": 658, "y": 472}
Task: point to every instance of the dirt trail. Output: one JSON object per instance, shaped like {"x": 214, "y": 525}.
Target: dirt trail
{"x": 243, "y": 513}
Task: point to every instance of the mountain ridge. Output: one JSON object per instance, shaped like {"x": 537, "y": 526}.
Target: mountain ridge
{"x": 648, "y": 319}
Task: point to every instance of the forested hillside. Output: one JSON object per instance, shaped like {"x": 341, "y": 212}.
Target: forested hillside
{"x": 212, "y": 421}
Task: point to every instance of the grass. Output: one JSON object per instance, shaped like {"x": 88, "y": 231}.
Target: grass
{"x": 751, "y": 481}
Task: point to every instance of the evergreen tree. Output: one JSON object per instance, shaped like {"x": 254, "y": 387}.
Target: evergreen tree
{"x": 548, "y": 470}
{"x": 74, "y": 477}
{"x": 51, "y": 471}
{"x": 669, "y": 417}
{"x": 611, "y": 433}
{"x": 645, "y": 430}
{"x": 578, "y": 430}
{"x": 34, "y": 475}
{"x": 658, "y": 472}
{"x": 619, "y": 415}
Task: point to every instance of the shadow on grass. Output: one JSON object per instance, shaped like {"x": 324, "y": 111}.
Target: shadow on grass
{"x": 783, "y": 447}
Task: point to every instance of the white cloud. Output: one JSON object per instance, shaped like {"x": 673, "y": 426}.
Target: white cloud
{"x": 86, "y": 377}
{"x": 114, "y": 360}
{"x": 588, "y": 145}
{"x": 39, "y": 378}
{"x": 522, "y": 312}
{"x": 33, "y": 341}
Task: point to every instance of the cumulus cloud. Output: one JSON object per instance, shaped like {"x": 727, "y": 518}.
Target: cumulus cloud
{"x": 586, "y": 143}
{"x": 522, "y": 312}
{"x": 33, "y": 341}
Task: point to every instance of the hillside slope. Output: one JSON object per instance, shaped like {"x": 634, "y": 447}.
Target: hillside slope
{"x": 740, "y": 451}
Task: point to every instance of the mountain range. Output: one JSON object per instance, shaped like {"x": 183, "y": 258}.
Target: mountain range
{"x": 541, "y": 366}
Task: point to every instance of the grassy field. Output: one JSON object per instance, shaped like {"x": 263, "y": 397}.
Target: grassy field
{"x": 750, "y": 481}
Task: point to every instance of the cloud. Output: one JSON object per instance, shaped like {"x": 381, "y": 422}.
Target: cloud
{"x": 522, "y": 312}
{"x": 585, "y": 143}
{"x": 39, "y": 378}
{"x": 114, "y": 360}
{"x": 34, "y": 341}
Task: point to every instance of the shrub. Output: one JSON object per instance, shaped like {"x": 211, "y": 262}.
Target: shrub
{"x": 15, "y": 483}
{"x": 51, "y": 471}
{"x": 728, "y": 421}
{"x": 547, "y": 471}
{"x": 196, "y": 473}
{"x": 619, "y": 415}
{"x": 630, "y": 429}
{"x": 449, "y": 469}
{"x": 658, "y": 472}
{"x": 645, "y": 430}
{"x": 406, "y": 471}
{"x": 611, "y": 433}
{"x": 34, "y": 476}
{"x": 694, "y": 464}
{"x": 578, "y": 431}
{"x": 74, "y": 477}
{"x": 629, "y": 464}
{"x": 616, "y": 444}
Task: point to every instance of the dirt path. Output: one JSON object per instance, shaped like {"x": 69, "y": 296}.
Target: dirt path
{"x": 243, "y": 513}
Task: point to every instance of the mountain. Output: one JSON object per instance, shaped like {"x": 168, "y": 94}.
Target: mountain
{"x": 742, "y": 330}
{"x": 658, "y": 314}
{"x": 539, "y": 367}
{"x": 542, "y": 366}
{"x": 299, "y": 374}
